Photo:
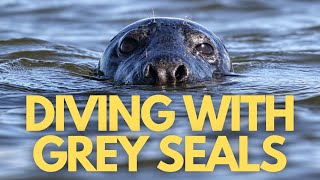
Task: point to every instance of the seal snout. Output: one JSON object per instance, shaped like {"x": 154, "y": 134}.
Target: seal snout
{"x": 165, "y": 73}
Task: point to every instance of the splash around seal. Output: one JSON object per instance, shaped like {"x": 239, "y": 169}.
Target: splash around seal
{"x": 164, "y": 51}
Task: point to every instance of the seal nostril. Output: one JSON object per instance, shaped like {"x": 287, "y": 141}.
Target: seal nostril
{"x": 181, "y": 73}
{"x": 150, "y": 74}
{"x": 153, "y": 73}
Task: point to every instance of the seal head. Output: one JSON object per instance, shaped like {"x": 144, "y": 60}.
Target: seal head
{"x": 164, "y": 51}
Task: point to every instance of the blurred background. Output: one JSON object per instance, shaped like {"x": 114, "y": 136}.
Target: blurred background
{"x": 50, "y": 47}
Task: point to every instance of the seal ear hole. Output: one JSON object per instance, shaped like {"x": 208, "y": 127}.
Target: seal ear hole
{"x": 181, "y": 73}
{"x": 128, "y": 45}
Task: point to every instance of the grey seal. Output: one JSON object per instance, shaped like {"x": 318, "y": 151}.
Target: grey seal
{"x": 164, "y": 51}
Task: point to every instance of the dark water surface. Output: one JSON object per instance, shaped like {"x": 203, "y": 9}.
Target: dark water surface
{"x": 47, "y": 47}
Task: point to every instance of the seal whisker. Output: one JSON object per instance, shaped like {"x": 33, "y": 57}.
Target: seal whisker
{"x": 153, "y": 16}
{"x": 186, "y": 19}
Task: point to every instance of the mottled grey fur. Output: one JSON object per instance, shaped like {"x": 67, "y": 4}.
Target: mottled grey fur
{"x": 164, "y": 42}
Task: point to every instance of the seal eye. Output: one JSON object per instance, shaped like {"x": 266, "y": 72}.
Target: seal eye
{"x": 128, "y": 45}
{"x": 205, "y": 49}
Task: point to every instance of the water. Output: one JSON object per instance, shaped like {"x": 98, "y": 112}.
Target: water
{"x": 50, "y": 47}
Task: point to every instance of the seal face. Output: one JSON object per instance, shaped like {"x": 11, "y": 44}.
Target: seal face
{"x": 164, "y": 51}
